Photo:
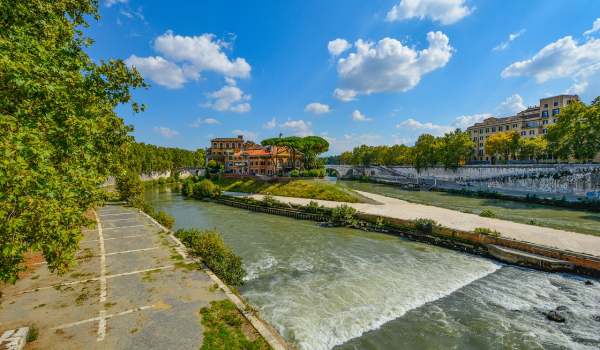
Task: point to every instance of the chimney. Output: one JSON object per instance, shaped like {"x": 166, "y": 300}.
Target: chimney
{"x": 241, "y": 137}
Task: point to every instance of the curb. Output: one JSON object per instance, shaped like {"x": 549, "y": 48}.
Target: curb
{"x": 14, "y": 339}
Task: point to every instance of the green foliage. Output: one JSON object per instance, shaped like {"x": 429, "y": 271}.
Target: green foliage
{"x": 533, "y": 148}
{"x": 269, "y": 201}
{"x": 312, "y": 207}
{"x": 177, "y": 176}
{"x": 162, "y": 181}
{"x": 217, "y": 255}
{"x": 455, "y": 148}
{"x": 343, "y": 215}
{"x": 488, "y": 214}
{"x": 425, "y": 152}
{"x": 164, "y": 219}
{"x": 380, "y": 223}
{"x": 33, "y": 334}
{"x": 534, "y": 222}
{"x": 141, "y": 158}
{"x": 295, "y": 173}
{"x": 304, "y": 173}
{"x": 187, "y": 188}
{"x": 502, "y": 145}
{"x": 58, "y": 129}
{"x": 425, "y": 225}
{"x": 487, "y": 231}
{"x": 213, "y": 164}
{"x": 206, "y": 189}
{"x": 222, "y": 328}
{"x": 130, "y": 188}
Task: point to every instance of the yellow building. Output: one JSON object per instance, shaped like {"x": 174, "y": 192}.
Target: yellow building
{"x": 530, "y": 123}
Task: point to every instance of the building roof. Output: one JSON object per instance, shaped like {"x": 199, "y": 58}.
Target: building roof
{"x": 235, "y": 139}
{"x": 264, "y": 151}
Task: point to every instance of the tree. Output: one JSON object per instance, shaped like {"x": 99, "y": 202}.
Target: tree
{"x": 455, "y": 148}
{"x": 425, "y": 152}
{"x": 397, "y": 154}
{"x": 576, "y": 134}
{"x": 502, "y": 144}
{"x": 533, "y": 148}
{"x": 346, "y": 158}
{"x": 60, "y": 135}
{"x": 130, "y": 188}
{"x": 364, "y": 155}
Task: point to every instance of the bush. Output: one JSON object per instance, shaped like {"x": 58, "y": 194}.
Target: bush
{"x": 206, "y": 189}
{"x": 33, "y": 334}
{"x": 161, "y": 181}
{"x": 187, "y": 189}
{"x": 380, "y": 223}
{"x": 304, "y": 173}
{"x": 487, "y": 231}
{"x": 342, "y": 215}
{"x": 312, "y": 207}
{"x": 177, "y": 176}
{"x": 269, "y": 201}
{"x": 217, "y": 255}
{"x": 131, "y": 188}
{"x": 425, "y": 225}
{"x": 488, "y": 214}
{"x": 295, "y": 173}
{"x": 170, "y": 180}
{"x": 164, "y": 219}
{"x": 313, "y": 173}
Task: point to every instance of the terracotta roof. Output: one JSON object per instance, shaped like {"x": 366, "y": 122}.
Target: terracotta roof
{"x": 227, "y": 139}
{"x": 264, "y": 151}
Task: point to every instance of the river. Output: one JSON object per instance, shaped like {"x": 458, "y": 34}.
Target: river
{"x": 347, "y": 289}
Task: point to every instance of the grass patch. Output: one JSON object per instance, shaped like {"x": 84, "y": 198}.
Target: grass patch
{"x": 223, "y": 328}
{"x": 187, "y": 267}
{"x": 133, "y": 330}
{"x": 33, "y": 334}
{"x": 313, "y": 189}
{"x": 148, "y": 277}
{"x": 107, "y": 305}
{"x": 177, "y": 257}
{"x": 35, "y": 277}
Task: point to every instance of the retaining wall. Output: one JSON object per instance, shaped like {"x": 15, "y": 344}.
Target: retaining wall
{"x": 155, "y": 175}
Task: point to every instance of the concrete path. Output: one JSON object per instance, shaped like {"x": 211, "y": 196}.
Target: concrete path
{"x": 400, "y": 209}
{"x": 131, "y": 290}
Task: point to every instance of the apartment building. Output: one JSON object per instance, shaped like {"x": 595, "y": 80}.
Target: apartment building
{"x": 222, "y": 149}
{"x": 530, "y": 123}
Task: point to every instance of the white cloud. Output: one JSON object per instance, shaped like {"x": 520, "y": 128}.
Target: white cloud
{"x": 210, "y": 136}
{"x": 161, "y": 71}
{"x": 557, "y": 60}
{"x": 165, "y": 132}
{"x": 510, "y": 107}
{"x": 595, "y": 28}
{"x": 119, "y": 21}
{"x": 248, "y": 135}
{"x": 125, "y": 13}
{"x": 337, "y": 46}
{"x": 345, "y": 95}
{"x": 444, "y": 11}
{"x": 270, "y": 125}
{"x": 298, "y": 125}
{"x": 430, "y": 128}
{"x": 389, "y": 66}
{"x": 189, "y": 56}
{"x": 465, "y": 121}
{"x": 357, "y": 117}
{"x": 203, "y": 52}
{"x": 199, "y": 121}
{"x": 304, "y": 133}
{"x": 324, "y": 133}
{"x": 317, "y": 108}
{"x": 511, "y": 37}
{"x": 109, "y": 3}
{"x": 227, "y": 97}
{"x": 576, "y": 89}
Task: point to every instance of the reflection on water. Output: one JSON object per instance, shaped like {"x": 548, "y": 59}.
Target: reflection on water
{"x": 555, "y": 217}
{"x": 349, "y": 289}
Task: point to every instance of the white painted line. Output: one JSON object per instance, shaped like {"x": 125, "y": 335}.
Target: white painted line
{"x": 124, "y": 213}
{"x": 72, "y": 324}
{"x": 102, "y": 323}
{"x": 40, "y": 263}
{"x": 76, "y": 323}
{"x": 114, "y": 228}
{"x": 117, "y": 220}
{"x": 108, "y": 239}
{"x": 97, "y": 278}
{"x": 132, "y": 251}
{"x": 102, "y": 326}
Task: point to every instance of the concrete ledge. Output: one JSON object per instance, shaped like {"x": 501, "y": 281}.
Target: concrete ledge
{"x": 14, "y": 339}
{"x": 525, "y": 259}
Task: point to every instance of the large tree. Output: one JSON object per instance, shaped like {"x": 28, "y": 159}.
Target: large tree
{"x": 59, "y": 132}
{"x": 533, "y": 148}
{"x": 576, "y": 134}
{"x": 502, "y": 145}
{"x": 425, "y": 152}
{"x": 456, "y": 148}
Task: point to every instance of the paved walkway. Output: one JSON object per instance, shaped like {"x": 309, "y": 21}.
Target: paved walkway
{"x": 400, "y": 209}
{"x": 131, "y": 290}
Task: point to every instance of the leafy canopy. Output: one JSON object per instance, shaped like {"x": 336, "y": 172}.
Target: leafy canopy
{"x": 58, "y": 129}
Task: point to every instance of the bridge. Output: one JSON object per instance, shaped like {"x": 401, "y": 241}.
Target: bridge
{"x": 191, "y": 171}
{"x": 344, "y": 171}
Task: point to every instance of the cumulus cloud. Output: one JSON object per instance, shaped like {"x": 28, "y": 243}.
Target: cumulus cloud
{"x": 337, "y": 46}
{"x": 465, "y": 121}
{"x": 358, "y": 117}
{"x": 430, "y": 128}
{"x": 210, "y": 136}
{"x": 389, "y": 66}
{"x": 511, "y": 37}
{"x": 199, "y": 121}
{"x": 511, "y": 106}
{"x": 248, "y": 135}
{"x": 317, "y": 108}
{"x": 443, "y": 11}
{"x": 165, "y": 132}
{"x": 226, "y": 98}
{"x": 188, "y": 56}
{"x": 345, "y": 95}
{"x": 109, "y": 3}
{"x": 297, "y": 125}
{"x": 595, "y": 28}
{"x": 270, "y": 125}
{"x": 560, "y": 59}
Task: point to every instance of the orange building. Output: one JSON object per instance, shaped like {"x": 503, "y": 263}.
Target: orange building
{"x": 264, "y": 161}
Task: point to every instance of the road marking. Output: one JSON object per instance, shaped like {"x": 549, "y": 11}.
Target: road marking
{"x": 102, "y": 326}
{"x": 124, "y": 213}
{"x": 133, "y": 251}
{"x": 107, "y": 239}
{"x": 102, "y": 323}
{"x": 117, "y": 220}
{"x": 97, "y": 278}
{"x": 72, "y": 324}
{"x": 114, "y": 228}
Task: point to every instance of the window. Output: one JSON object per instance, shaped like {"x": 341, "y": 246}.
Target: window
{"x": 227, "y": 145}
{"x": 494, "y": 129}
{"x": 481, "y": 137}
{"x": 279, "y": 163}
{"x": 544, "y": 131}
{"x": 289, "y": 163}
{"x": 486, "y": 137}
{"x": 239, "y": 145}
{"x": 531, "y": 132}
{"x": 555, "y": 120}
{"x": 545, "y": 105}
{"x": 568, "y": 102}
{"x": 474, "y": 139}
{"x": 536, "y": 123}
{"x": 544, "y": 114}
{"x": 221, "y": 145}
{"x": 487, "y": 130}
{"x": 527, "y": 125}
{"x": 481, "y": 131}
{"x": 475, "y": 131}
{"x": 480, "y": 152}
{"x": 219, "y": 153}
{"x": 269, "y": 163}
{"x": 555, "y": 104}
{"x": 262, "y": 171}
{"x": 481, "y": 145}
{"x": 499, "y": 128}
{"x": 297, "y": 164}
{"x": 523, "y": 133}
{"x": 262, "y": 162}
{"x": 555, "y": 111}
{"x": 544, "y": 122}
{"x": 514, "y": 126}
{"x": 215, "y": 145}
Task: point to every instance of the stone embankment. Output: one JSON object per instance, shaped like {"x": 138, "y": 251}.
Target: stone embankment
{"x": 155, "y": 175}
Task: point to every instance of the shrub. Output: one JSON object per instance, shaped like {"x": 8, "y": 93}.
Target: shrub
{"x": 131, "y": 188}
{"x": 488, "y": 214}
{"x": 342, "y": 215}
{"x": 161, "y": 181}
{"x": 467, "y": 211}
{"x": 147, "y": 208}
{"x": 187, "y": 189}
{"x": 322, "y": 173}
{"x": 487, "y": 231}
{"x": 33, "y": 334}
{"x": 295, "y": 173}
{"x": 164, "y": 219}
{"x": 312, "y": 207}
{"x": 304, "y": 173}
{"x": 177, "y": 176}
{"x": 313, "y": 173}
{"x": 425, "y": 225}
{"x": 206, "y": 189}
{"x": 534, "y": 222}
{"x": 170, "y": 179}
{"x": 217, "y": 255}
{"x": 380, "y": 223}
{"x": 269, "y": 201}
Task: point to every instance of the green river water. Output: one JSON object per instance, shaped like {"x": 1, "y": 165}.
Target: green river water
{"x": 334, "y": 288}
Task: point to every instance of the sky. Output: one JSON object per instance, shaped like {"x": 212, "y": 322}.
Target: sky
{"x": 377, "y": 72}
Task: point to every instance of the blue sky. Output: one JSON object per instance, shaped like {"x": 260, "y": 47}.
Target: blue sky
{"x": 354, "y": 72}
